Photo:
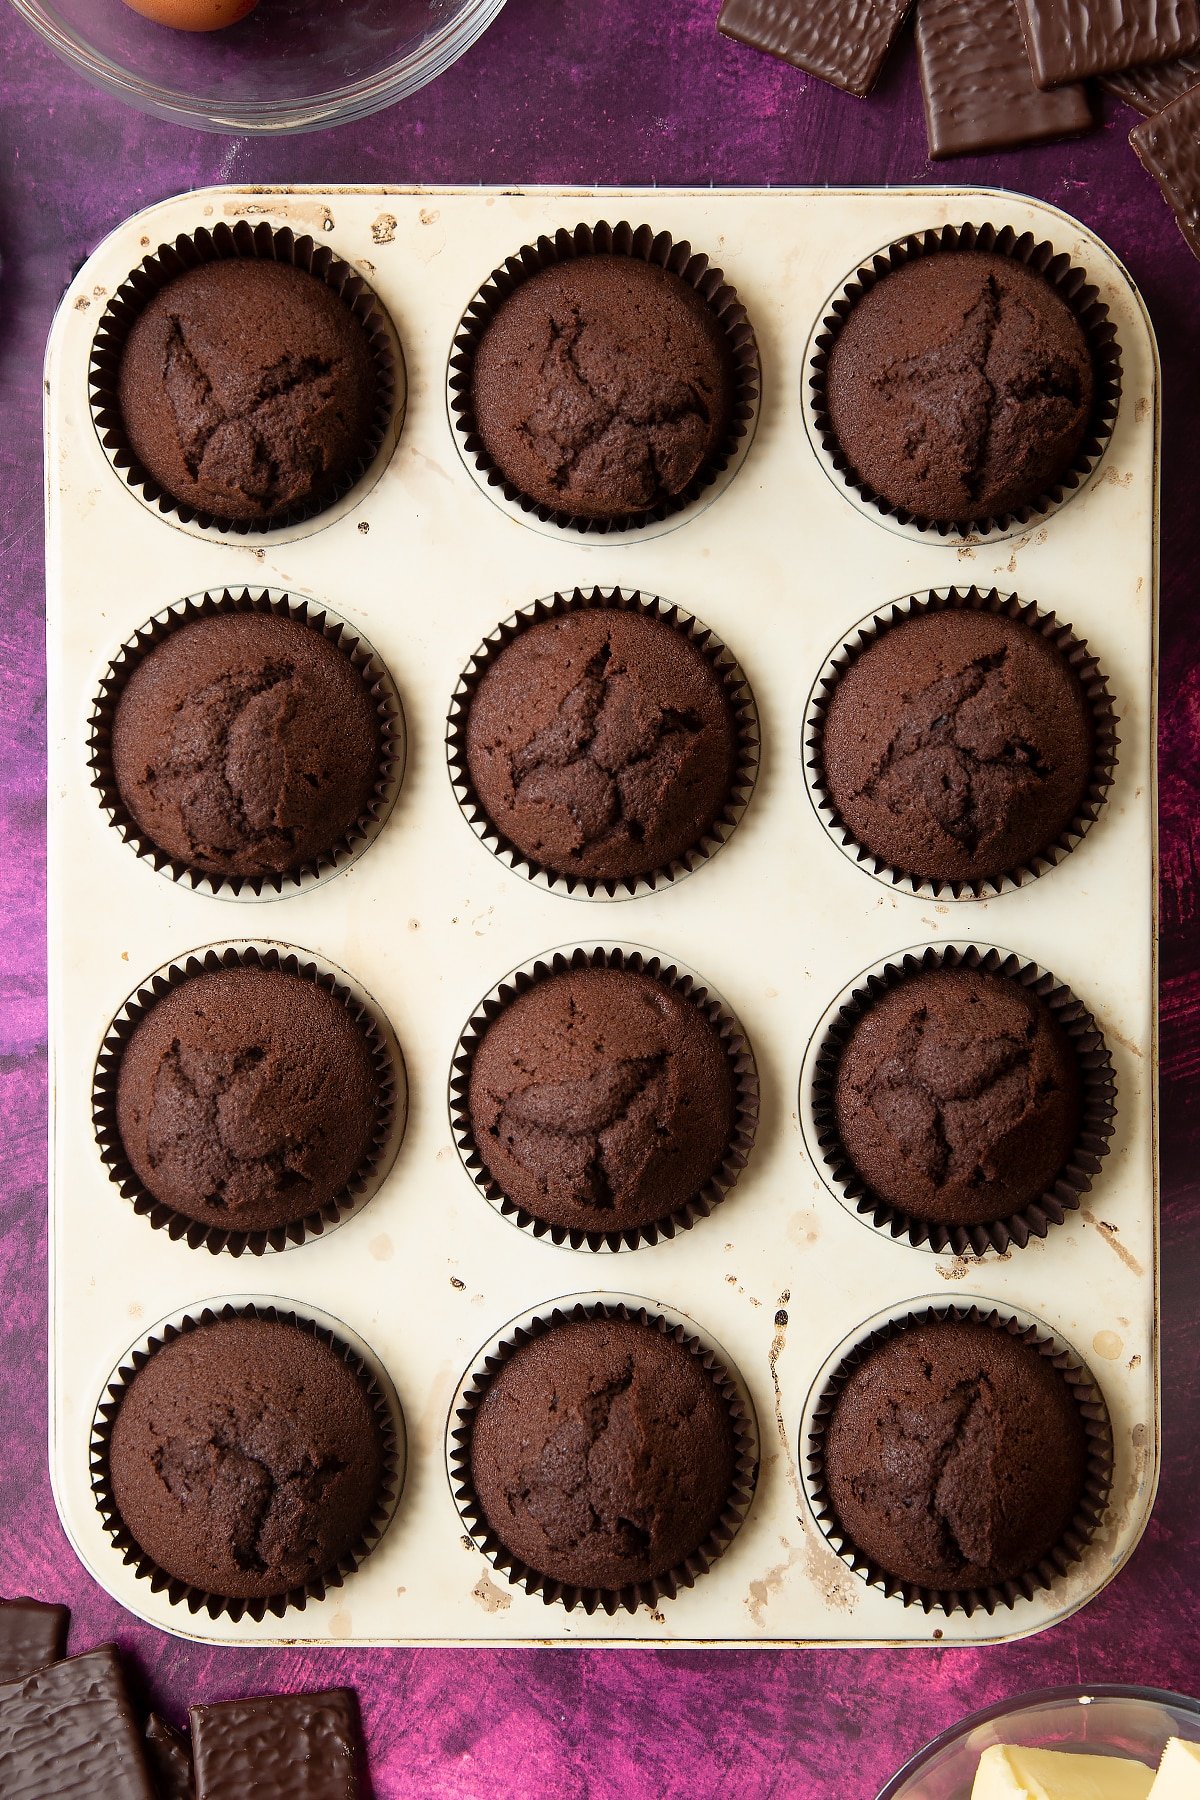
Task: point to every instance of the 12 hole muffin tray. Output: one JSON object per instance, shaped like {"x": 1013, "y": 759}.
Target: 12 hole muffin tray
{"x": 424, "y": 560}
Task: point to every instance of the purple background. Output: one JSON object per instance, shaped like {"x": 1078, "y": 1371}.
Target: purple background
{"x": 626, "y": 91}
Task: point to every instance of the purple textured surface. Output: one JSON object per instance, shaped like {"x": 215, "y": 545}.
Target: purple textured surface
{"x": 567, "y": 91}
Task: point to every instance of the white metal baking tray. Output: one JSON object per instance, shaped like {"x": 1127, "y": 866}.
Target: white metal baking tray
{"x": 780, "y": 565}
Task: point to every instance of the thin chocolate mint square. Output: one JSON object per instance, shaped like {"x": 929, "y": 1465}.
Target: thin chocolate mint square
{"x": 843, "y": 41}
{"x": 1069, "y": 39}
{"x": 1169, "y": 146}
{"x": 1152, "y": 86}
{"x": 68, "y": 1733}
{"x": 31, "y": 1637}
{"x": 978, "y": 87}
{"x": 280, "y": 1747}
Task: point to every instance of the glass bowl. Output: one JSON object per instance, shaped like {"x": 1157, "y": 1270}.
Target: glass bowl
{"x": 292, "y": 65}
{"x": 1119, "y": 1721}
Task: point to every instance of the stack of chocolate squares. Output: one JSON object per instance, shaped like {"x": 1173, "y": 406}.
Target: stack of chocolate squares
{"x": 998, "y": 73}
{"x": 69, "y": 1731}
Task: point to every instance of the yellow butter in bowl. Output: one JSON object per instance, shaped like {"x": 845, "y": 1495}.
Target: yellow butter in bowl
{"x": 1009, "y": 1772}
{"x": 1178, "y": 1775}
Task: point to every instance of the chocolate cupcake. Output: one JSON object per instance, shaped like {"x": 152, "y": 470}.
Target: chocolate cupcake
{"x": 245, "y": 1461}
{"x": 963, "y": 1098}
{"x": 966, "y": 743}
{"x": 603, "y": 1457}
{"x": 966, "y": 380}
{"x": 604, "y": 740}
{"x": 243, "y": 378}
{"x": 247, "y": 740}
{"x": 604, "y": 1100}
{"x": 604, "y": 378}
{"x": 960, "y": 1459}
{"x": 245, "y": 1102}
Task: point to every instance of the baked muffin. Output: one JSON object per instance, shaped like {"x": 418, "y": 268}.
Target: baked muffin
{"x": 602, "y": 387}
{"x": 601, "y": 1100}
{"x": 958, "y": 746}
{"x": 958, "y": 1096}
{"x": 247, "y": 390}
{"x": 955, "y": 1456}
{"x": 247, "y": 1458}
{"x": 247, "y": 1098}
{"x": 602, "y": 1453}
{"x": 602, "y": 744}
{"x": 246, "y": 744}
{"x": 960, "y": 387}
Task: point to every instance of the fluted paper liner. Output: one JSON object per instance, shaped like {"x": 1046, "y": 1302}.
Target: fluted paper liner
{"x": 1088, "y": 1397}
{"x": 742, "y": 709}
{"x": 1070, "y": 283}
{"x": 643, "y": 244}
{"x": 182, "y": 1592}
{"x": 1079, "y": 659}
{"x": 376, "y": 679}
{"x": 1098, "y": 1107}
{"x": 733, "y": 1041}
{"x": 611, "y": 1600}
{"x": 363, "y": 1184}
{"x": 224, "y": 242}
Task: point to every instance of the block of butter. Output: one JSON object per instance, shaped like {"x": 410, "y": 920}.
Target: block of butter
{"x": 1178, "y": 1773}
{"x": 1009, "y": 1772}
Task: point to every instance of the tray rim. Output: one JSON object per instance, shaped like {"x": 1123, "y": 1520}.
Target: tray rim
{"x": 935, "y": 192}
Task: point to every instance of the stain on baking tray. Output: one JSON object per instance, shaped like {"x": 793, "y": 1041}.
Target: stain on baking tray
{"x": 490, "y": 1597}
{"x": 770, "y": 1583}
{"x": 383, "y": 229}
{"x": 1112, "y": 1237}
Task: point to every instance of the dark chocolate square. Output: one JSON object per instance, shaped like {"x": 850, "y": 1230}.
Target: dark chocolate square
{"x": 170, "y": 1757}
{"x": 843, "y": 41}
{"x": 1169, "y": 146}
{"x": 979, "y": 89}
{"x": 281, "y": 1747}
{"x": 31, "y": 1637}
{"x": 68, "y": 1733}
{"x": 1152, "y": 86}
{"x": 1069, "y": 39}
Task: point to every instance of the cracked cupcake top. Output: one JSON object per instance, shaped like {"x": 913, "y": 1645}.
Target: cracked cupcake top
{"x": 246, "y": 1458}
{"x": 958, "y": 746}
{"x": 247, "y": 389}
{"x": 958, "y": 1096}
{"x": 247, "y": 1098}
{"x": 602, "y": 744}
{"x": 602, "y": 1453}
{"x": 960, "y": 386}
{"x": 955, "y": 1456}
{"x": 246, "y": 744}
{"x": 601, "y": 1100}
{"x": 602, "y": 386}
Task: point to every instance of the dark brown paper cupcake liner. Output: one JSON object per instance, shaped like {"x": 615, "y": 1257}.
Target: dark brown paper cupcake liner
{"x": 376, "y": 679}
{"x": 1073, "y": 1180}
{"x": 1072, "y": 286}
{"x": 602, "y": 239}
{"x": 199, "y": 1599}
{"x": 742, "y": 708}
{"x": 1088, "y": 1397}
{"x": 1077, "y": 656}
{"x": 224, "y": 242}
{"x": 678, "y": 981}
{"x": 367, "y": 1179}
{"x": 520, "y": 1574}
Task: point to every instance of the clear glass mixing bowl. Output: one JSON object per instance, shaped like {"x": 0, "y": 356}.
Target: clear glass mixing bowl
{"x": 292, "y": 65}
{"x": 1120, "y": 1721}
